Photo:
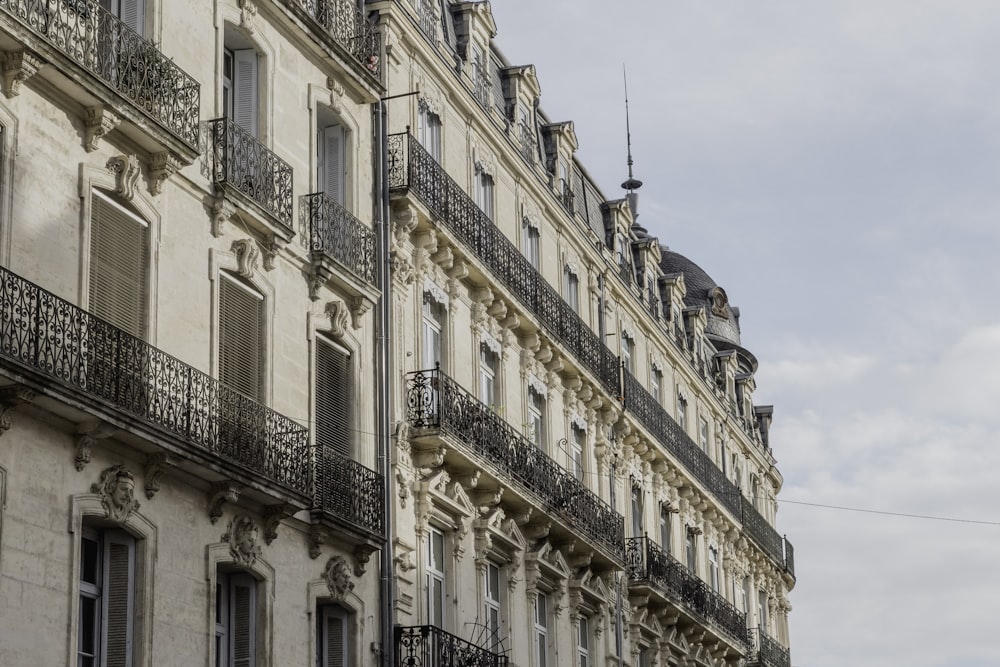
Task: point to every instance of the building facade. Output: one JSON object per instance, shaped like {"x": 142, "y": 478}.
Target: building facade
{"x": 319, "y": 346}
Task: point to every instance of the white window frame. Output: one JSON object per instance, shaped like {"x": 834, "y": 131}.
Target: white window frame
{"x": 493, "y": 606}
{"x": 325, "y": 614}
{"x": 542, "y": 622}
{"x": 95, "y": 596}
{"x": 682, "y": 407}
{"x": 762, "y": 610}
{"x": 429, "y": 130}
{"x": 666, "y": 525}
{"x": 435, "y": 586}
{"x": 432, "y": 334}
{"x": 489, "y": 362}
{"x": 572, "y": 288}
{"x": 691, "y": 550}
{"x": 703, "y": 434}
{"x": 656, "y": 384}
{"x": 484, "y": 187}
{"x": 536, "y": 418}
{"x": 628, "y": 353}
{"x": 576, "y": 452}
{"x": 241, "y": 87}
{"x": 531, "y": 239}
{"x": 637, "y": 508}
{"x": 583, "y": 642}
{"x": 713, "y": 569}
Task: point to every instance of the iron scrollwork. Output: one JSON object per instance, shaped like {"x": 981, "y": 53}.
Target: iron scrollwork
{"x": 329, "y": 228}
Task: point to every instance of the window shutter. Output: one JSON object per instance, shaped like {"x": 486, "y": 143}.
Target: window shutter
{"x": 331, "y": 172}
{"x": 334, "y": 650}
{"x": 119, "y": 265}
{"x": 242, "y": 630}
{"x": 333, "y": 398}
{"x": 241, "y": 340}
{"x": 245, "y": 83}
{"x": 119, "y": 577}
{"x": 132, "y": 13}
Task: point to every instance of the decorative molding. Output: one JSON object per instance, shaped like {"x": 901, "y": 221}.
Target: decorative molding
{"x": 578, "y": 421}
{"x": 162, "y": 166}
{"x": 491, "y": 342}
{"x": 126, "y": 171}
{"x": 336, "y": 93}
{"x": 222, "y": 211}
{"x": 628, "y": 332}
{"x": 273, "y": 515}
{"x": 362, "y": 554}
{"x": 269, "y": 250}
{"x": 337, "y": 575}
{"x": 248, "y": 15}
{"x": 218, "y": 494}
{"x": 242, "y": 535}
{"x": 317, "y": 538}
{"x": 359, "y": 306}
{"x": 156, "y": 465}
{"x": 18, "y": 67}
{"x": 90, "y": 432}
{"x": 116, "y": 490}
{"x": 247, "y": 257}
{"x": 10, "y": 399}
{"x": 337, "y": 311}
{"x": 536, "y": 384}
{"x": 98, "y": 121}
{"x": 437, "y": 294}
{"x": 720, "y": 302}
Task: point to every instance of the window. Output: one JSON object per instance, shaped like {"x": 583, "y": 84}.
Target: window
{"x": 119, "y": 265}
{"x": 579, "y": 441}
{"x": 636, "y": 509}
{"x": 332, "y": 637}
{"x": 628, "y": 353}
{"x": 713, "y": 568}
{"x": 656, "y": 384}
{"x": 572, "y": 290}
{"x": 488, "y": 362}
{"x": 333, "y": 398}
{"x": 429, "y": 130}
{"x": 241, "y": 337}
{"x": 703, "y": 434}
{"x": 723, "y": 456}
{"x": 754, "y": 492}
{"x": 541, "y": 630}
{"x": 491, "y": 603}
{"x": 532, "y": 242}
{"x": 331, "y": 168}
{"x": 435, "y": 578}
{"x": 107, "y": 598}
{"x": 235, "y": 620}
{"x": 583, "y": 642}
{"x": 682, "y": 406}
{"x": 433, "y": 325}
{"x": 665, "y": 527}
{"x": 240, "y": 76}
{"x": 644, "y": 656}
{"x": 130, "y": 12}
{"x": 762, "y": 610}
{"x": 484, "y": 191}
{"x": 741, "y": 598}
{"x": 536, "y": 418}
{"x": 690, "y": 551}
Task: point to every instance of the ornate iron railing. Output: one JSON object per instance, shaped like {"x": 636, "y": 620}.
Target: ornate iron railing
{"x": 63, "y": 343}
{"x": 434, "y": 400}
{"x": 99, "y": 42}
{"x": 350, "y": 491}
{"x": 789, "y": 558}
{"x": 761, "y": 531}
{"x": 412, "y": 167}
{"x": 349, "y": 28}
{"x": 645, "y": 561}
{"x": 428, "y": 19}
{"x": 243, "y": 163}
{"x": 766, "y": 652}
{"x": 430, "y": 646}
{"x": 328, "y": 227}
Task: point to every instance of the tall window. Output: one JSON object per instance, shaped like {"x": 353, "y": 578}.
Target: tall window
{"x": 541, "y": 630}
{"x": 332, "y": 644}
{"x": 433, "y": 326}
{"x": 755, "y": 492}
{"x": 235, "y": 620}
{"x": 682, "y": 408}
{"x": 491, "y": 604}
{"x": 240, "y": 77}
{"x": 484, "y": 191}
{"x": 119, "y": 265}
{"x": 703, "y": 434}
{"x": 665, "y": 527}
{"x": 130, "y": 12}
{"x": 429, "y": 130}
{"x": 656, "y": 384}
{"x": 241, "y": 337}
{"x": 578, "y": 444}
{"x": 762, "y": 610}
{"x": 644, "y": 656}
{"x": 331, "y": 165}
{"x": 690, "y": 551}
{"x": 107, "y": 598}
{"x": 333, "y": 398}
{"x": 531, "y": 240}
{"x": 583, "y": 642}
{"x": 435, "y": 578}
{"x": 488, "y": 362}
{"x": 572, "y": 290}
{"x": 713, "y": 568}
{"x": 536, "y": 418}
{"x": 637, "y": 530}
{"x": 628, "y": 353}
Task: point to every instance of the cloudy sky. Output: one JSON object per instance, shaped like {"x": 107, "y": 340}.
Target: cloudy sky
{"x": 835, "y": 165}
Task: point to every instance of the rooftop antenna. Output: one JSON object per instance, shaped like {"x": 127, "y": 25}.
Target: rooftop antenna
{"x": 632, "y": 184}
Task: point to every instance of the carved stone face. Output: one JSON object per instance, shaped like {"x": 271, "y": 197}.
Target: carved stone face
{"x": 246, "y": 537}
{"x": 124, "y": 491}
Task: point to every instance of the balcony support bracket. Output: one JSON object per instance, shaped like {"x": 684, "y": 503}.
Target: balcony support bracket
{"x": 18, "y": 67}
{"x": 10, "y": 398}
{"x": 162, "y": 166}
{"x": 156, "y": 465}
{"x": 220, "y": 493}
{"x": 99, "y": 121}
{"x": 273, "y": 515}
{"x": 90, "y": 432}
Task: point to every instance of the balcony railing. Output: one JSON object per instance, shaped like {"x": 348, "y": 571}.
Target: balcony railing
{"x": 430, "y": 646}
{"x": 766, "y": 652}
{"x": 62, "y": 343}
{"x": 766, "y": 537}
{"x": 428, "y": 19}
{"x": 412, "y": 167}
{"x": 434, "y": 400}
{"x": 645, "y": 561}
{"x": 349, "y": 28}
{"x": 100, "y": 43}
{"x": 349, "y": 491}
{"x": 241, "y": 162}
{"x": 329, "y": 228}
{"x": 789, "y": 558}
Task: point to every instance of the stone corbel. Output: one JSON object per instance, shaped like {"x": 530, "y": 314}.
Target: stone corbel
{"x": 273, "y": 514}
{"x": 336, "y": 93}
{"x": 126, "y": 171}
{"x": 90, "y": 432}
{"x": 269, "y": 250}
{"x": 18, "y": 67}
{"x": 218, "y": 494}
{"x": 156, "y": 465}
{"x": 444, "y": 258}
{"x": 359, "y": 306}
{"x": 336, "y": 310}
{"x": 162, "y": 166}
{"x": 99, "y": 121}
{"x": 486, "y": 500}
{"x": 247, "y": 256}
{"x": 537, "y": 529}
{"x": 317, "y": 538}
{"x": 362, "y": 554}
{"x": 10, "y": 399}
{"x": 222, "y": 211}
{"x": 248, "y": 15}
{"x": 317, "y": 278}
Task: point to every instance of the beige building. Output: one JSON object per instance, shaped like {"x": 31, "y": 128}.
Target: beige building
{"x": 279, "y": 388}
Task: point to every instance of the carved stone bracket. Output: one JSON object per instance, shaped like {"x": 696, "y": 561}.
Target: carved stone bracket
{"x": 273, "y": 514}
{"x": 222, "y": 211}
{"x": 269, "y": 250}
{"x": 18, "y": 67}
{"x": 99, "y": 121}
{"x": 248, "y": 15}
{"x": 317, "y": 538}
{"x": 336, "y": 310}
{"x": 362, "y": 554}
{"x": 247, "y": 256}
{"x": 126, "y": 171}
{"x": 10, "y": 398}
{"x": 162, "y": 166}
{"x": 359, "y": 306}
{"x": 156, "y": 465}
{"x": 116, "y": 489}
{"x": 90, "y": 432}
{"x": 218, "y": 494}
{"x": 317, "y": 278}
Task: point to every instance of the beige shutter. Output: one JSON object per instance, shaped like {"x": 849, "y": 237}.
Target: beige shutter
{"x": 119, "y": 577}
{"x": 242, "y": 616}
{"x": 245, "y": 82}
{"x": 241, "y": 339}
{"x": 334, "y": 648}
{"x": 132, "y": 14}
{"x": 332, "y": 162}
{"x": 333, "y": 398}
{"x": 119, "y": 265}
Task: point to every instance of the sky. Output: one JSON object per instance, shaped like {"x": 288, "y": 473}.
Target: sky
{"x": 835, "y": 166}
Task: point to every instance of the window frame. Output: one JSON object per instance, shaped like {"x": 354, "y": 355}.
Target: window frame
{"x": 578, "y": 444}
{"x": 584, "y": 639}
{"x": 97, "y": 593}
{"x": 531, "y": 242}
{"x": 435, "y": 578}
{"x": 493, "y": 608}
{"x": 325, "y": 612}
{"x": 429, "y": 130}
{"x": 542, "y": 621}
{"x": 536, "y": 419}
{"x": 489, "y": 365}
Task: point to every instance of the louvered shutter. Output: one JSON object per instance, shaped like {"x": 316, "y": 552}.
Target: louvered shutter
{"x": 241, "y": 339}
{"x": 242, "y": 618}
{"x": 119, "y": 265}
{"x": 334, "y": 644}
{"x": 119, "y": 578}
{"x": 331, "y": 172}
{"x": 333, "y": 398}
{"x": 132, "y": 13}
{"x": 245, "y": 93}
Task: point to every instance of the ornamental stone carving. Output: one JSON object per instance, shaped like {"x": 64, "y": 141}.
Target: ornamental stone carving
{"x": 116, "y": 489}
{"x": 126, "y": 171}
{"x": 247, "y": 256}
{"x": 18, "y": 67}
{"x": 720, "y": 302}
{"x": 99, "y": 121}
{"x": 337, "y": 576}
{"x": 242, "y": 536}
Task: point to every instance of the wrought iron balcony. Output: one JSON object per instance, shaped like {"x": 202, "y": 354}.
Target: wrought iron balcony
{"x": 430, "y": 646}
{"x": 789, "y": 558}
{"x": 427, "y": 16}
{"x": 241, "y": 162}
{"x": 56, "y": 343}
{"x": 412, "y": 168}
{"x": 766, "y": 652}
{"x": 129, "y": 64}
{"x": 434, "y": 400}
{"x": 329, "y": 228}
{"x": 349, "y": 31}
{"x": 765, "y": 536}
{"x": 348, "y": 491}
{"x": 646, "y": 562}
{"x": 566, "y": 196}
